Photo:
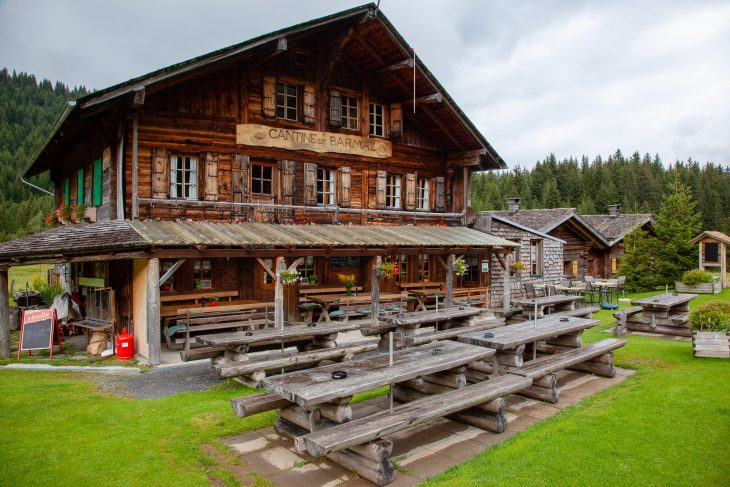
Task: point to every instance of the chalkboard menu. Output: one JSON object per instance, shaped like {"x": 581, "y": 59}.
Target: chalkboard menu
{"x": 344, "y": 261}
{"x": 37, "y": 329}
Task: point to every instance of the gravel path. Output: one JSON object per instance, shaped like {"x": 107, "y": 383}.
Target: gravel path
{"x": 163, "y": 381}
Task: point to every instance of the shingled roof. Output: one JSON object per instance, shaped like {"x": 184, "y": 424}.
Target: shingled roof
{"x": 615, "y": 228}
{"x": 547, "y": 219}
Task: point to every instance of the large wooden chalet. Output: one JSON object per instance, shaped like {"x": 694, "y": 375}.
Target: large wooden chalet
{"x": 326, "y": 145}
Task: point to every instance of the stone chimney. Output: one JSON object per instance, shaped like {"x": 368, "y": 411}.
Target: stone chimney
{"x": 614, "y": 210}
{"x": 513, "y": 204}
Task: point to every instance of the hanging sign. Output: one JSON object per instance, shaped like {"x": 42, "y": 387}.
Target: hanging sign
{"x": 36, "y": 330}
{"x": 301, "y": 139}
{"x": 485, "y": 266}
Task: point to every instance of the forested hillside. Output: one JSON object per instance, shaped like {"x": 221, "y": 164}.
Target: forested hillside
{"x": 28, "y": 109}
{"x": 637, "y": 183}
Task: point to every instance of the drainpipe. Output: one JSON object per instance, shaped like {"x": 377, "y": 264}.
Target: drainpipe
{"x": 22, "y": 180}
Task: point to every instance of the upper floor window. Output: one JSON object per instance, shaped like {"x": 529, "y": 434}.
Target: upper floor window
{"x": 287, "y": 101}
{"x": 392, "y": 191}
{"x": 376, "y": 120}
{"x": 325, "y": 187}
{"x": 535, "y": 257}
{"x": 261, "y": 177}
{"x": 350, "y": 115}
{"x": 184, "y": 177}
{"x": 424, "y": 194}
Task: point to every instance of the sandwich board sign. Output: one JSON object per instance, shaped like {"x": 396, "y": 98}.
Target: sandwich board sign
{"x": 36, "y": 331}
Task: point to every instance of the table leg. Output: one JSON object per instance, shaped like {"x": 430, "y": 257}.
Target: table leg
{"x": 325, "y": 315}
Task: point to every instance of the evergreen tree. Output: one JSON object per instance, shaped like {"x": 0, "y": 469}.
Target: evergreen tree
{"x": 639, "y": 263}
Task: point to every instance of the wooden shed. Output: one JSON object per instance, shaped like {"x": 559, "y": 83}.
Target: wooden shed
{"x": 713, "y": 253}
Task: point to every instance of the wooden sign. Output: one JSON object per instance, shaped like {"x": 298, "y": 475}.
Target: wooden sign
{"x": 36, "y": 330}
{"x": 300, "y": 139}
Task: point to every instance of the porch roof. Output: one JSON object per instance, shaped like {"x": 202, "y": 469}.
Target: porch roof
{"x": 118, "y": 236}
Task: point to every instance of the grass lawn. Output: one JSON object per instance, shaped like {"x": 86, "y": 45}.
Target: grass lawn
{"x": 667, "y": 425}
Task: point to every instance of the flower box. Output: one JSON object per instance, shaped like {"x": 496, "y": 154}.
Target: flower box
{"x": 711, "y": 344}
{"x": 90, "y": 214}
{"x": 701, "y": 288}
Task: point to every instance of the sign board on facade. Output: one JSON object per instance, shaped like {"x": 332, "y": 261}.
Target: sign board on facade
{"x": 485, "y": 266}
{"x": 300, "y": 139}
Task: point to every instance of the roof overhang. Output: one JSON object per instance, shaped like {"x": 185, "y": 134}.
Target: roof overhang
{"x": 526, "y": 229}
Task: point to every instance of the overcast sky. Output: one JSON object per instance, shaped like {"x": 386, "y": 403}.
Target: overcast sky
{"x": 568, "y": 77}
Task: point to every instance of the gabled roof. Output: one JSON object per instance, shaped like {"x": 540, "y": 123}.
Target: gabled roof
{"x": 444, "y": 118}
{"x": 712, "y": 234}
{"x": 114, "y": 236}
{"x": 615, "y": 228}
{"x": 519, "y": 226}
{"x": 547, "y": 219}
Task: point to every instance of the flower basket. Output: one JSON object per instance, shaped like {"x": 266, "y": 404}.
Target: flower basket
{"x": 288, "y": 277}
{"x": 388, "y": 268}
{"x": 461, "y": 268}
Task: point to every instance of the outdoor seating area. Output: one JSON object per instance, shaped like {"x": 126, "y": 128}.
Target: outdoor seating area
{"x": 666, "y": 314}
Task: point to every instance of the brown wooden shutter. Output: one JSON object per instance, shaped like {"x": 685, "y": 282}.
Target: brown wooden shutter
{"x": 211, "y": 177}
{"x": 440, "y": 200}
{"x": 269, "y": 97}
{"x": 410, "y": 192}
{"x": 310, "y": 184}
{"x": 239, "y": 178}
{"x": 287, "y": 170}
{"x": 380, "y": 189}
{"x": 335, "y": 109}
{"x": 345, "y": 184}
{"x": 160, "y": 173}
{"x": 396, "y": 120}
{"x": 310, "y": 102}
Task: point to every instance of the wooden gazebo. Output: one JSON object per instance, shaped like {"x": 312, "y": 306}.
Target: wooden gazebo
{"x": 713, "y": 253}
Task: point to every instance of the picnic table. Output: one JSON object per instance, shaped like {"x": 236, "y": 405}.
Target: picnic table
{"x": 327, "y": 301}
{"x": 666, "y": 313}
{"x": 559, "y": 303}
{"x": 424, "y": 294}
{"x": 241, "y": 341}
{"x": 510, "y": 341}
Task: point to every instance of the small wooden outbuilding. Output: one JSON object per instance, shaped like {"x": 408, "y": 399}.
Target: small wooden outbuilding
{"x": 713, "y": 253}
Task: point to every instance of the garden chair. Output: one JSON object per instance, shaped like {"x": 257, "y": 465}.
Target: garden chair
{"x": 591, "y": 292}
{"x": 621, "y": 286}
{"x": 529, "y": 290}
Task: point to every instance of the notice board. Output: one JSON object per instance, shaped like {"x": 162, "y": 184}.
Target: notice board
{"x": 36, "y": 332}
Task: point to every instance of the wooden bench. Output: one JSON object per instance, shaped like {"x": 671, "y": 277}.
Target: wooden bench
{"x": 420, "y": 339}
{"x": 629, "y": 311}
{"x": 362, "y": 310}
{"x": 192, "y": 320}
{"x": 578, "y": 313}
{"x": 471, "y": 296}
{"x": 307, "y": 291}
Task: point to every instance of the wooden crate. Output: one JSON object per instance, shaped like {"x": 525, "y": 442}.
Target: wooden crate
{"x": 711, "y": 344}
{"x": 702, "y": 288}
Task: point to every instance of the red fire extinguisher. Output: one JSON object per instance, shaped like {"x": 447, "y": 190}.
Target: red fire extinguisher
{"x": 125, "y": 345}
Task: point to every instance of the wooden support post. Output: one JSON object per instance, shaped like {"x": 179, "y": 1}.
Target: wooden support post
{"x": 280, "y": 266}
{"x": 375, "y": 291}
{"x": 4, "y": 315}
{"x": 153, "y": 310}
{"x": 135, "y": 170}
{"x": 450, "y": 263}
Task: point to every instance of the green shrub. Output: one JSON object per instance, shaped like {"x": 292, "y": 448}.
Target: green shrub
{"x": 711, "y": 316}
{"x": 47, "y": 292}
{"x": 694, "y": 277}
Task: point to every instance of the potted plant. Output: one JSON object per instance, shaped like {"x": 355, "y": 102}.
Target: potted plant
{"x": 461, "y": 268}
{"x": 166, "y": 286}
{"x": 710, "y": 324}
{"x": 288, "y": 277}
{"x": 312, "y": 279}
{"x": 214, "y": 300}
{"x": 388, "y": 268}
{"x": 347, "y": 280}
{"x": 697, "y": 281}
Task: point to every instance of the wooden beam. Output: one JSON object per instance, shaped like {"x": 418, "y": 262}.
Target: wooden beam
{"x": 335, "y": 53}
{"x": 4, "y": 315}
{"x": 139, "y": 96}
{"x": 280, "y": 266}
{"x": 135, "y": 170}
{"x": 450, "y": 265}
{"x": 153, "y": 311}
{"x": 171, "y": 271}
{"x": 366, "y": 45}
{"x": 442, "y": 126}
{"x": 266, "y": 267}
{"x": 375, "y": 291}
{"x": 281, "y": 47}
{"x": 405, "y": 64}
{"x": 425, "y": 100}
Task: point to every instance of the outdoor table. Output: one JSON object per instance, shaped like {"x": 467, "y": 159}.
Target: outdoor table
{"x": 559, "y": 302}
{"x": 406, "y": 324}
{"x": 329, "y": 300}
{"x": 311, "y": 387}
{"x": 574, "y": 290}
{"x": 606, "y": 285}
{"x": 425, "y": 294}
{"x": 668, "y": 311}
{"x": 510, "y": 341}
{"x": 241, "y": 341}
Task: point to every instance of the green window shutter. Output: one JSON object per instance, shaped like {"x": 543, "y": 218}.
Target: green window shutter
{"x": 67, "y": 191}
{"x": 80, "y": 186}
{"x": 97, "y": 183}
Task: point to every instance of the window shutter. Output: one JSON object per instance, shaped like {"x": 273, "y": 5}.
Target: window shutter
{"x": 310, "y": 101}
{"x": 80, "y": 186}
{"x": 335, "y": 109}
{"x": 396, "y": 120}
{"x": 440, "y": 200}
{"x": 380, "y": 189}
{"x": 269, "y": 97}
{"x": 410, "y": 192}
{"x": 345, "y": 183}
{"x": 160, "y": 173}
{"x": 97, "y": 183}
{"x": 287, "y": 181}
{"x": 67, "y": 191}
{"x": 310, "y": 184}
{"x": 239, "y": 178}
{"x": 211, "y": 177}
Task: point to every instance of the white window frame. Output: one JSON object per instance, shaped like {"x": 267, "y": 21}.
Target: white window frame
{"x": 325, "y": 186}
{"x": 424, "y": 267}
{"x": 183, "y": 177}
{"x": 402, "y": 269}
{"x": 286, "y": 101}
{"x": 536, "y": 257}
{"x": 350, "y": 112}
{"x": 260, "y": 180}
{"x": 267, "y": 279}
{"x": 423, "y": 194}
{"x": 377, "y": 120}
{"x": 307, "y": 267}
{"x": 393, "y": 191}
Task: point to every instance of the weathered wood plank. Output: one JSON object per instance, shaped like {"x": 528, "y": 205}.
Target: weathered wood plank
{"x": 513, "y": 335}
{"x": 553, "y": 363}
{"x": 257, "y": 403}
{"x": 291, "y": 332}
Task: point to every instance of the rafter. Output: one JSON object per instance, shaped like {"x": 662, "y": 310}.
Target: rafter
{"x": 336, "y": 52}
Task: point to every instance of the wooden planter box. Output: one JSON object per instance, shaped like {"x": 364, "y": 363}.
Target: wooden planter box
{"x": 711, "y": 344}
{"x": 704, "y": 288}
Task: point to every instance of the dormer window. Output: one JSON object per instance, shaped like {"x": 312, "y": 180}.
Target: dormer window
{"x": 287, "y": 101}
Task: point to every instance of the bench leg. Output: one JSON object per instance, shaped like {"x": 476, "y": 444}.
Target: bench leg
{"x": 543, "y": 389}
